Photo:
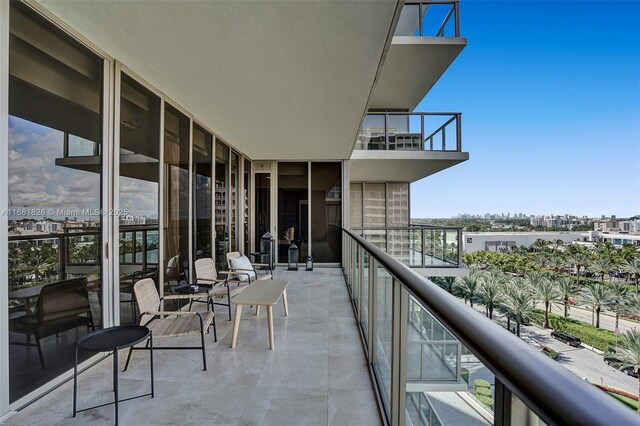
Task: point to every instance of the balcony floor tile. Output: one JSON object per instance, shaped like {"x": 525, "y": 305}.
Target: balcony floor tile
{"x": 317, "y": 374}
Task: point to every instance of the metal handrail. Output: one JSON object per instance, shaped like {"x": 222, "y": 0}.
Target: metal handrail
{"x": 451, "y": 117}
{"x": 553, "y": 393}
{"x": 454, "y": 11}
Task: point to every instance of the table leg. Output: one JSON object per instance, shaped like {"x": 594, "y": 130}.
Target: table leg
{"x": 270, "y": 320}
{"x": 151, "y": 359}
{"x": 115, "y": 381}
{"x": 257, "y": 310}
{"x": 75, "y": 382}
{"x": 236, "y": 326}
{"x": 285, "y": 303}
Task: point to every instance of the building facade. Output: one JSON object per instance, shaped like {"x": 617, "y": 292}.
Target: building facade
{"x": 139, "y": 136}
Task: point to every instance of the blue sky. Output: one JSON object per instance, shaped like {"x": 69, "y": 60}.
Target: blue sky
{"x": 550, "y": 96}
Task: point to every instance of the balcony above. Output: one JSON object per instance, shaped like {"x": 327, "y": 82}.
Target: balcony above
{"x": 426, "y": 41}
{"x": 406, "y": 146}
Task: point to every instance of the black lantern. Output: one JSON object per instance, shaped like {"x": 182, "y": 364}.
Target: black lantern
{"x": 310, "y": 263}
{"x": 293, "y": 257}
{"x": 267, "y": 249}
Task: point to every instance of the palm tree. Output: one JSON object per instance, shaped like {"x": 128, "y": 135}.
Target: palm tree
{"x": 445, "y": 283}
{"x": 518, "y": 304}
{"x": 566, "y": 289}
{"x": 601, "y": 265}
{"x": 546, "y": 292}
{"x": 632, "y": 267}
{"x": 632, "y": 305}
{"x": 629, "y": 354}
{"x": 597, "y": 296}
{"x": 619, "y": 290}
{"x": 468, "y": 286}
{"x": 490, "y": 291}
{"x": 578, "y": 260}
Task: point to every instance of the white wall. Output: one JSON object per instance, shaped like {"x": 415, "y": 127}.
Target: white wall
{"x": 474, "y": 241}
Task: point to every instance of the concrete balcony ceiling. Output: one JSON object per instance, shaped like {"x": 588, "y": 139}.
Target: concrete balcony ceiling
{"x": 277, "y": 80}
{"x": 401, "y": 166}
{"x": 412, "y": 66}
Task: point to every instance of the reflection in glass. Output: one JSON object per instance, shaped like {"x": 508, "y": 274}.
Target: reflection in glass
{"x": 222, "y": 232}
{"x": 176, "y": 199}
{"x": 233, "y": 202}
{"x": 374, "y": 205}
{"x": 202, "y": 184}
{"x": 263, "y": 206}
{"x": 55, "y": 275}
{"x": 247, "y": 191}
{"x": 326, "y": 211}
{"x": 293, "y": 210}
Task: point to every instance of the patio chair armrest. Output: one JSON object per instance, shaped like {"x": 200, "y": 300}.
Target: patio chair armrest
{"x": 208, "y": 281}
{"x": 185, "y": 296}
{"x": 169, "y": 313}
{"x": 261, "y": 264}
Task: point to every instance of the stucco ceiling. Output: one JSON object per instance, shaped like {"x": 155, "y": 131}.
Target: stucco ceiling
{"x": 277, "y": 80}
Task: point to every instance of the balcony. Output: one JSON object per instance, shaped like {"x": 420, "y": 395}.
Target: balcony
{"x": 430, "y": 250}
{"x": 419, "y": 338}
{"x": 417, "y": 144}
{"x": 416, "y": 339}
{"x": 426, "y": 41}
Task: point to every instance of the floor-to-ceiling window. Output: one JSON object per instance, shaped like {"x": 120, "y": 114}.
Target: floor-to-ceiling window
{"x": 262, "y": 219}
{"x": 176, "y": 195}
{"x": 245, "y": 204}
{"x": 202, "y": 158}
{"x": 139, "y": 165}
{"x": 55, "y": 199}
{"x": 234, "y": 201}
{"x": 293, "y": 209}
{"x": 221, "y": 198}
{"x": 326, "y": 211}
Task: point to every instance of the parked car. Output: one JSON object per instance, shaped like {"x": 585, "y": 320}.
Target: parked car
{"x": 619, "y": 365}
{"x": 567, "y": 338}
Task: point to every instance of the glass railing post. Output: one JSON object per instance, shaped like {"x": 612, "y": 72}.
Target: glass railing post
{"x": 371, "y": 308}
{"x": 420, "y": 6}
{"x": 456, "y": 8}
{"x": 458, "y": 120}
{"x": 502, "y": 405}
{"x": 386, "y": 132}
{"x": 361, "y": 282}
{"x": 460, "y": 256}
{"x": 400, "y": 312}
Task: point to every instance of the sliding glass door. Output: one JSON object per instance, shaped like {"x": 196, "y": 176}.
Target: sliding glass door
{"x": 55, "y": 187}
{"x": 139, "y": 165}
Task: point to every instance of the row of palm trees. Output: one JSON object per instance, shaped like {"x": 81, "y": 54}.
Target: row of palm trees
{"x": 517, "y": 296}
{"x": 600, "y": 261}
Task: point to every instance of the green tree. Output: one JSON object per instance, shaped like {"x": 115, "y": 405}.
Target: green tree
{"x": 629, "y": 354}
{"x": 579, "y": 261}
{"x": 619, "y": 290}
{"x": 518, "y": 304}
{"x": 632, "y": 267}
{"x": 544, "y": 291}
{"x": 468, "y": 286}
{"x": 597, "y": 296}
{"x": 566, "y": 289}
{"x": 444, "y": 282}
{"x": 490, "y": 289}
{"x": 601, "y": 266}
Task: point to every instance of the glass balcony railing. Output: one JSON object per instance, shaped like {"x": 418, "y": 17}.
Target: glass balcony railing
{"x": 429, "y": 19}
{"x": 437, "y": 361}
{"x": 419, "y": 246}
{"x": 441, "y": 131}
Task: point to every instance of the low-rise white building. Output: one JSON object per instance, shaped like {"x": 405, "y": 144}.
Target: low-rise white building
{"x": 497, "y": 241}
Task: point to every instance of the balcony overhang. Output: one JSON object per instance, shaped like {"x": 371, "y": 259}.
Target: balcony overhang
{"x": 412, "y": 66}
{"x": 277, "y": 80}
{"x": 400, "y": 166}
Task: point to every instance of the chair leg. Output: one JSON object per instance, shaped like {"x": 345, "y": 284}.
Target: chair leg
{"x": 204, "y": 354}
{"x": 215, "y": 332}
{"x": 40, "y": 352}
{"x": 229, "y": 301}
{"x": 126, "y": 365}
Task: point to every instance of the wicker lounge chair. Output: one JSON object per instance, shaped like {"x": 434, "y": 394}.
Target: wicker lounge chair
{"x": 206, "y": 274}
{"x": 171, "y": 323}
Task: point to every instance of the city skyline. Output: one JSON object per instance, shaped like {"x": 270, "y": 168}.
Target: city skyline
{"x": 550, "y": 95}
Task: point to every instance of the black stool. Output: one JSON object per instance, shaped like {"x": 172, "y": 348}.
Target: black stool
{"x": 111, "y": 340}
